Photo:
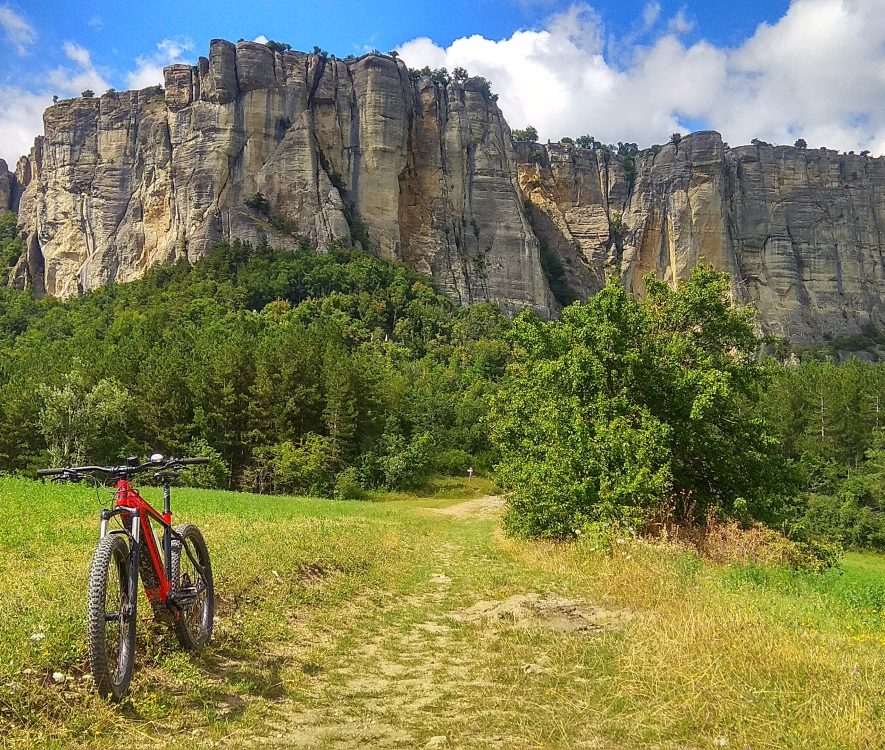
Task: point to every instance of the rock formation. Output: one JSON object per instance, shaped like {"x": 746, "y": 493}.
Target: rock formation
{"x": 355, "y": 153}
{"x": 364, "y": 154}
{"x": 799, "y": 230}
{"x": 7, "y": 188}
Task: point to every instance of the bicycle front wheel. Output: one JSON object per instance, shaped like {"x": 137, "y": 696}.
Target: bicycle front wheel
{"x": 110, "y": 618}
{"x": 192, "y": 588}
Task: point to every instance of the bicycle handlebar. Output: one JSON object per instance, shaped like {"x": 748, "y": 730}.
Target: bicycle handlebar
{"x": 123, "y": 470}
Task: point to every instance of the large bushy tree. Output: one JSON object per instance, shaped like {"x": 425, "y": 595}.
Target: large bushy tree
{"x": 636, "y": 410}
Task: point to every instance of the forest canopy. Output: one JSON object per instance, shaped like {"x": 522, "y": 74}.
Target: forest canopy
{"x": 337, "y": 373}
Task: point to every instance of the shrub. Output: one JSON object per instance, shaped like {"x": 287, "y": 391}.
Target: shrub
{"x": 348, "y": 485}
{"x": 306, "y": 467}
{"x": 258, "y": 203}
{"x": 452, "y": 462}
{"x": 87, "y": 94}
{"x": 215, "y": 475}
{"x": 406, "y": 463}
{"x": 278, "y": 46}
{"x": 732, "y": 542}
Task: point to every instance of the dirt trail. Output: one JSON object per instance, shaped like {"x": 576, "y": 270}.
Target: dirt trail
{"x": 488, "y": 505}
{"x": 421, "y": 670}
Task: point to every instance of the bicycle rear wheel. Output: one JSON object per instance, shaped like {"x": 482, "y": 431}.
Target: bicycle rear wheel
{"x": 110, "y": 618}
{"x": 192, "y": 588}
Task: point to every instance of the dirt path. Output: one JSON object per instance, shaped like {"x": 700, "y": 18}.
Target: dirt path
{"x": 488, "y": 505}
{"x": 425, "y": 669}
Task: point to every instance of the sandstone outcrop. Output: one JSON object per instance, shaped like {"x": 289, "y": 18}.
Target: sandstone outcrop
{"x": 798, "y": 229}
{"x": 7, "y": 187}
{"x": 365, "y": 154}
{"x": 355, "y": 153}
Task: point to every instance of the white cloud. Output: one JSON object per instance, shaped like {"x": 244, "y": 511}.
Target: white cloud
{"x": 18, "y": 32}
{"x": 67, "y": 81}
{"x": 817, "y": 73}
{"x": 261, "y": 39}
{"x": 149, "y": 69}
{"x": 19, "y": 124}
{"x": 680, "y": 23}
{"x": 651, "y": 13}
{"x": 96, "y": 22}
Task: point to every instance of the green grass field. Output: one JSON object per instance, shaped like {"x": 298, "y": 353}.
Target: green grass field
{"x": 343, "y": 625}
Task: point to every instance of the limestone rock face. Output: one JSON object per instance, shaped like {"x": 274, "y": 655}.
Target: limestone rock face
{"x": 797, "y": 229}
{"x": 362, "y": 154}
{"x": 8, "y": 189}
{"x": 354, "y": 153}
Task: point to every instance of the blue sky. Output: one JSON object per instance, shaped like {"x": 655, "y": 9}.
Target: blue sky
{"x": 118, "y": 33}
{"x": 771, "y": 69}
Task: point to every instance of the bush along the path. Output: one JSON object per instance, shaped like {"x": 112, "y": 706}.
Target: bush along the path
{"x": 637, "y": 411}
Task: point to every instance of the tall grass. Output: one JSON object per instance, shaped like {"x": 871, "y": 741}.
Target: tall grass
{"x": 336, "y": 624}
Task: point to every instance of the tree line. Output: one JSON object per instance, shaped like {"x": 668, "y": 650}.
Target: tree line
{"x": 336, "y": 373}
{"x": 296, "y": 371}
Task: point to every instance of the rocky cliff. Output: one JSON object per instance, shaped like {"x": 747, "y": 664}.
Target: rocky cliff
{"x": 361, "y": 153}
{"x": 350, "y": 152}
{"x": 799, "y": 230}
{"x": 8, "y": 189}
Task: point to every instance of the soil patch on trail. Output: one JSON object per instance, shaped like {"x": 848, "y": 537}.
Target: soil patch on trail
{"x": 548, "y": 611}
{"x": 481, "y": 506}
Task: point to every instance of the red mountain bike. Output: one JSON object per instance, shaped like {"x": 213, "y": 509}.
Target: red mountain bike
{"x": 176, "y": 572}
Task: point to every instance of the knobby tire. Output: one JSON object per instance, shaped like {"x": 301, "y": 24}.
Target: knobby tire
{"x": 193, "y": 625}
{"x": 110, "y": 618}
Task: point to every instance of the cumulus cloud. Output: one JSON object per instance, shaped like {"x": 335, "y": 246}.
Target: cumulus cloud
{"x": 261, "y": 39}
{"x": 149, "y": 69}
{"x": 70, "y": 81}
{"x": 817, "y": 73}
{"x": 17, "y": 31}
{"x": 19, "y": 124}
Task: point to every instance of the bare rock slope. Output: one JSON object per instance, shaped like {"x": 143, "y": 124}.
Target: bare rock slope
{"x": 363, "y": 154}
{"x": 350, "y": 152}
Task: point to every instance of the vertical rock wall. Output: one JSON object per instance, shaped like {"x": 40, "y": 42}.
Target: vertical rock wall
{"x": 362, "y": 154}
{"x": 353, "y": 153}
{"x": 799, "y": 230}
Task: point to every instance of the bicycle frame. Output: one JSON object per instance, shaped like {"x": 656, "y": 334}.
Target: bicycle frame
{"x": 138, "y": 513}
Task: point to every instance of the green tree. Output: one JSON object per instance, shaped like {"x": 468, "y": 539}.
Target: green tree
{"x": 215, "y": 475}
{"x": 278, "y": 46}
{"x": 258, "y": 203}
{"x": 529, "y": 134}
{"x": 340, "y": 413}
{"x": 76, "y": 416}
{"x": 635, "y": 411}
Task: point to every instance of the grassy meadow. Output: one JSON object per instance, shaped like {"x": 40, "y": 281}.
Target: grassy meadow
{"x": 348, "y": 624}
